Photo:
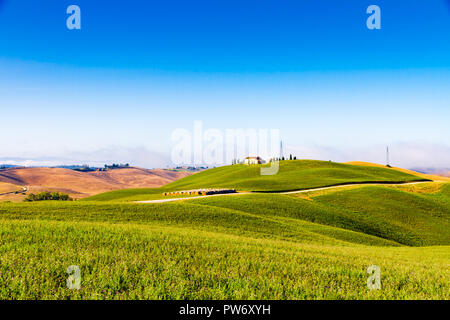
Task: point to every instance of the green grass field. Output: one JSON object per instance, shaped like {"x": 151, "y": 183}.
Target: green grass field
{"x": 253, "y": 246}
{"x": 292, "y": 175}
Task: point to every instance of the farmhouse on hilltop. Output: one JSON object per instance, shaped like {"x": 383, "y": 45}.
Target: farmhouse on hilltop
{"x": 253, "y": 160}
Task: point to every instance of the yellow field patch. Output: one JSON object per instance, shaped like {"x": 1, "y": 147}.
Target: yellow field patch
{"x": 9, "y": 187}
{"x": 432, "y": 187}
{"x": 423, "y": 175}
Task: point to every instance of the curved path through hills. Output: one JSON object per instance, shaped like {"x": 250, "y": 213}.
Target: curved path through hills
{"x": 24, "y": 190}
{"x": 283, "y": 192}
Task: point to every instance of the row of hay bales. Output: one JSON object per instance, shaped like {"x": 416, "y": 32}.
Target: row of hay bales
{"x": 202, "y": 192}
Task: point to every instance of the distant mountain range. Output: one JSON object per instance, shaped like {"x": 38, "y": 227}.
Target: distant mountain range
{"x": 435, "y": 171}
{"x": 5, "y": 166}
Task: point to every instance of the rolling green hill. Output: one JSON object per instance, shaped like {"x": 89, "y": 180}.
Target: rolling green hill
{"x": 398, "y": 216}
{"x": 256, "y": 246}
{"x": 314, "y": 245}
{"x": 292, "y": 175}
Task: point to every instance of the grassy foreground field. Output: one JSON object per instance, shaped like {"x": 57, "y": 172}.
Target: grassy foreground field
{"x": 152, "y": 262}
{"x": 260, "y": 246}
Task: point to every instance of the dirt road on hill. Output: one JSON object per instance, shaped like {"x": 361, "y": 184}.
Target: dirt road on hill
{"x": 282, "y": 192}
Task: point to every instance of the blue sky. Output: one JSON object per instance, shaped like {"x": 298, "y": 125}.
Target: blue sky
{"x": 137, "y": 70}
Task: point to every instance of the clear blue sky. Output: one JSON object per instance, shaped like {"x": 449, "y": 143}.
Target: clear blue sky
{"x": 137, "y": 70}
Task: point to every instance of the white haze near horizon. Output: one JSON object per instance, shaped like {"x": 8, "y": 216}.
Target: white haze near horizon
{"x": 405, "y": 155}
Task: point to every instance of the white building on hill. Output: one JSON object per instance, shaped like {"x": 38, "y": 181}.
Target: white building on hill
{"x": 253, "y": 160}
